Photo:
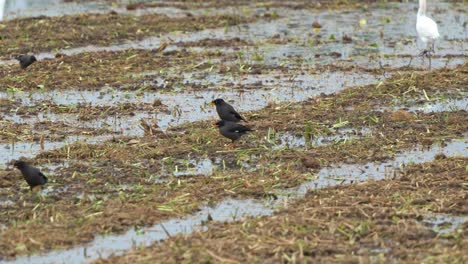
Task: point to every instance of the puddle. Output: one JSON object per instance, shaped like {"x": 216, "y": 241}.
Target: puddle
{"x": 444, "y": 105}
{"x": 380, "y": 34}
{"x": 234, "y": 210}
{"x": 190, "y": 106}
{"x": 450, "y": 105}
{"x": 348, "y": 173}
{"x": 193, "y": 105}
{"x": 127, "y": 124}
{"x": 10, "y": 152}
{"x": 104, "y": 246}
{"x": 5, "y": 203}
{"x": 54, "y": 190}
{"x": 288, "y": 140}
{"x": 10, "y": 9}
{"x": 444, "y": 223}
{"x": 188, "y": 167}
{"x": 202, "y": 167}
{"x": 280, "y": 85}
{"x": 206, "y": 166}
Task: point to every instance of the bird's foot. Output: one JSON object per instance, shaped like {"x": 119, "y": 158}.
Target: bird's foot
{"x": 426, "y": 53}
{"x": 232, "y": 146}
{"x": 37, "y": 188}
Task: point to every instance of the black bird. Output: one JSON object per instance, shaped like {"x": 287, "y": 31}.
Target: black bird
{"x": 26, "y": 60}
{"x": 226, "y": 111}
{"x": 32, "y": 175}
{"x": 231, "y": 130}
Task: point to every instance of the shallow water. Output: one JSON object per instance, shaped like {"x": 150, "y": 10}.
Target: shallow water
{"x": 382, "y": 34}
{"x": 191, "y": 167}
{"x": 33, "y": 8}
{"x": 191, "y": 106}
{"x": 449, "y": 105}
{"x": 234, "y": 210}
{"x": 104, "y": 246}
{"x": 10, "y": 151}
{"x": 288, "y": 140}
{"x": 444, "y": 223}
{"x": 348, "y": 173}
{"x": 11, "y": 9}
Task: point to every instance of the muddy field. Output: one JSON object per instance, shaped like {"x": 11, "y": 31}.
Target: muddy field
{"x": 358, "y": 155}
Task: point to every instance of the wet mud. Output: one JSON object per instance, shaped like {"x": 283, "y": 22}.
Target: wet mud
{"x": 121, "y": 124}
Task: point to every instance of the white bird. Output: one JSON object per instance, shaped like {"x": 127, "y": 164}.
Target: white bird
{"x": 2, "y": 9}
{"x": 427, "y": 30}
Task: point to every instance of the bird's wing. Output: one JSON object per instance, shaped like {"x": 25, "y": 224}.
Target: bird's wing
{"x": 427, "y": 27}
{"x": 237, "y": 115}
{"x": 234, "y": 112}
{"x": 43, "y": 176}
{"x": 239, "y": 129}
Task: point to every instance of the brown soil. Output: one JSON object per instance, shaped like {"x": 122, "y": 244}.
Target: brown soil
{"x": 94, "y": 71}
{"x": 32, "y": 35}
{"x": 302, "y": 4}
{"x": 63, "y": 219}
{"x": 366, "y": 222}
{"x": 44, "y": 130}
{"x": 128, "y": 182}
{"x": 86, "y": 111}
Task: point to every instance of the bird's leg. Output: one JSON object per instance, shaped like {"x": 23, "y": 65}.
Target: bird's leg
{"x": 429, "y": 54}
{"x": 381, "y": 64}
{"x": 232, "y": 145}
{"x": 430, "y": 61}
{"x": 429, "y": 50}
{"x": 411, "y": 60}
{"x": 424, "y": 53}
{"x": 36, "y": 188}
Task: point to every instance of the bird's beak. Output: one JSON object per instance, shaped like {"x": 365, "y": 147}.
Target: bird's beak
{"x": 215, "y": 125}
{"x": 212, "y": 103}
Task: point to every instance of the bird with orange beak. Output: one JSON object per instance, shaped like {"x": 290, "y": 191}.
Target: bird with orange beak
{"x": 226, "y": 111}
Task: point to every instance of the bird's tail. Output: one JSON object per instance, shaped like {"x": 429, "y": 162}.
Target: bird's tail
{"x": 45, "y": 177}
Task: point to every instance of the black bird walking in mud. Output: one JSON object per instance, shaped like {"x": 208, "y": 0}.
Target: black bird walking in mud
{"x": 231, "y": 130}
{"x": 26, "y": 60}
{"x": 226, "y": 111}
{"x": 33, "y": 176}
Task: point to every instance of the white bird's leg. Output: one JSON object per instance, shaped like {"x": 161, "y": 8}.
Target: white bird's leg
{"x": 411, "y": 60}
{"x": 423, "y": 53}
{"x": 429, "y": 54}
{"x": 430, "y": 61}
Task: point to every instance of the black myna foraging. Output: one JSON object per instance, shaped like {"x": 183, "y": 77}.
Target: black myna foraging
{"x": 26, "y": 60}
{"x": 226, "y": 111}
{"x": 33, "y": 176}
{"x": 231, "y": 130}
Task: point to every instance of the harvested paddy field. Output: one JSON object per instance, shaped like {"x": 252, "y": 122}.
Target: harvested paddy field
{"x": 358, "y": 154}
{"x": 417, "y": 216}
